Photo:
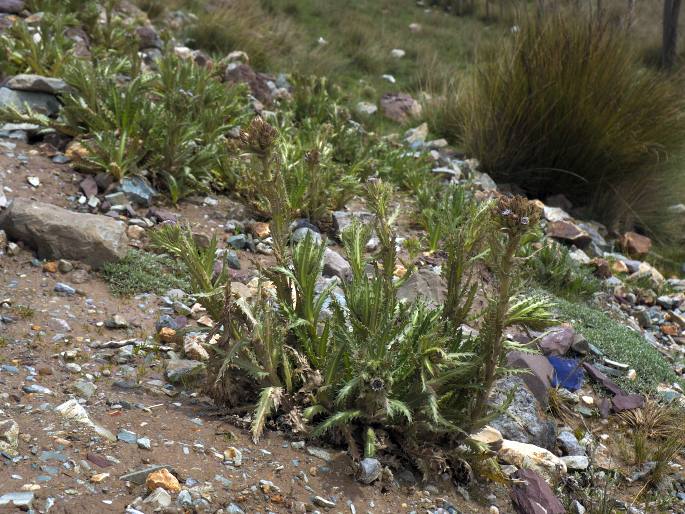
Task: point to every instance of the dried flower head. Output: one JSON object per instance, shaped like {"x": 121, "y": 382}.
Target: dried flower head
{"x": 377, "y": 384}
{"x": 259, "y": 137}
{"x": 312, "y": 157}
{"x": 516, "y": 213}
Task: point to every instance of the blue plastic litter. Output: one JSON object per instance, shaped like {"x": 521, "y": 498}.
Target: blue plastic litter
{"x": 568, "y": 373}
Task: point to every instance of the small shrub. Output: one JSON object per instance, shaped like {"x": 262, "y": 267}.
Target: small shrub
{"x": 553, "y": 268}
{"x": 169, "y": 125}
{"x": 564, "y": 106}
{"x": 144, "y": 272}
{"x": 44, "y": 50}
{"x": 205, "y": 282}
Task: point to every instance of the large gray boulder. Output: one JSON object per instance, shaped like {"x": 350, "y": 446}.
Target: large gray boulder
{"x": 335, "y": 265}
{"x": 424, "y": 285}
{"x": 57, "y": 233}
{"x": 524, "y": 420}
{"x": 11, "y": 6}
{"x": 42, "y": 103}
{"x": 37, "y": 84}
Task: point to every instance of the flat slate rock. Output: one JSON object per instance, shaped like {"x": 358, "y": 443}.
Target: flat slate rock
{"x": 41, "y": 103}
{"x": 57, "y": 233}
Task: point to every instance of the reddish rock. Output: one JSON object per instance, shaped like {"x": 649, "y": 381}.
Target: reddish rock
{"x": 99, "y": 460}
{"x": 568, "y": 232}
{"x": 602, "y": 267}
{"x": 89, "y": 187}
{"x": 399, "y": 107}
{"x": 623, "y": 402}
{"x": 635, "y": 244}
{"x": 539, "y": 380}
{"x": 257, "y": 82}
{"x": 530, "y": 494}
{"x": 557, "y": 342}
{"x": 670, "y": 329}
{"x": 11, "y": 6}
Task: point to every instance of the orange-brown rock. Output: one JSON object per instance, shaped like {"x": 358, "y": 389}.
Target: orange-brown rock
{"x": 635, "y": 244}
{"x": 261, "y": 230}
{"x": 76, "y": 151}
{"x": 670, "y": 329}
{"x": 602, "y": 268}
{"x": 50, "y": 266}
{"x": 167, "y": 335}
{"x": 619, "y": 267}
{"x": 568, "y": 232}
{"x": 163, "y": 479}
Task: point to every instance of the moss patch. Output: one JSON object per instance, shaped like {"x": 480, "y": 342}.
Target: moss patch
{"x": 619, "y": 343}
{"x": 144, "y": 272}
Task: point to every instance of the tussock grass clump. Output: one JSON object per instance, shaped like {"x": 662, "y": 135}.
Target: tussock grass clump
{"x": 226, "y": 25}
{"x": 564, "y": 106}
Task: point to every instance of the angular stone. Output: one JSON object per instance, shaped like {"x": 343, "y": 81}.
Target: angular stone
{"x": 162, "y": 479}
{"x": 539, "y": 380}
{"x": 37, "y": 83}
{"x": 530, "y": 494}
{"x": 369, "y": 470}
{"x": 399, "y": 107}
{"x": 192, "y": 346}
{"x": 569, "y": 444}
{"x": 523, "y": 420}
{"x": 99, "y": 460}
{"x": 555, "y": 214}
{"x": 41, "y": 103}
{"x": 127, "y": 436}
{"x": 138, "y": 190}
{"x": 557, "y": 341}
{"x": 19, "y": 499}
{"x": 623, "y": 402}
{"x": 72, "y": 410}
{"x": 84, "y": 388}
{"x": 529, "y": 456}
{"x": 576, "y": 462}
{"x": 9, "y": 437}
{"x": 425, "y": 285}
{"x": 568, "y": 232}
{"x": 489, "y": 436}
{"x": 335, "y": 265}
{"x": 239, "y": 73}
{"x": 58, "y": 233}
{"x": 635, "y": 244}
{"x": 181, "y": 370}
{"x": 158, "y": 499}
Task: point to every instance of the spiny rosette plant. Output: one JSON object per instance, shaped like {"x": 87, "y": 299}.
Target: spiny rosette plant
{"x": 384, "y": 376}
{"x": 513, "y": 217}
